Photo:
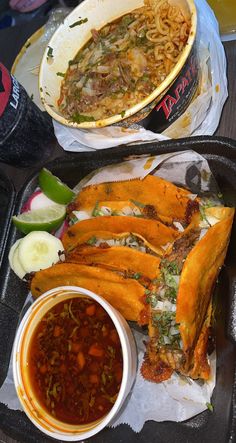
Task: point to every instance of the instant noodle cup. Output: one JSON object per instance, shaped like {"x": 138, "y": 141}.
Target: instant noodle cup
{"x": 161, "y": 107}
{"x": 42, "y": 373}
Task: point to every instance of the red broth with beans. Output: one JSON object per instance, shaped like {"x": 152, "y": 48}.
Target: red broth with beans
{"x": 75, "y": 361}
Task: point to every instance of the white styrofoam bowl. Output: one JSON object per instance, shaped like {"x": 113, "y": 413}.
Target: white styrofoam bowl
{"x": 66, "y": 42}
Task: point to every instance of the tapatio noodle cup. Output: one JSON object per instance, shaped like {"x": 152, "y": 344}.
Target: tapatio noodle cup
{"x": 37, "y": 413}
{"x": 157, "y": 110}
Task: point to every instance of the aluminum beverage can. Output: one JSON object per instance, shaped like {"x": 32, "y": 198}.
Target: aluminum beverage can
{"x": 26, "y": 133}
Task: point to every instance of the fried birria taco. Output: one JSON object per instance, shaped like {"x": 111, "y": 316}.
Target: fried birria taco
{"x": 167, "y": 201}
{"x": 125, "y": 294}
{"x": 180, "y": 302}
{"x": 153, "y": 231}
{"x": 127, "y": 252}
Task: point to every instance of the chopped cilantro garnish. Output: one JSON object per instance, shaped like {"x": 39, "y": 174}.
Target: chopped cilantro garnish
{"x": 203, "y": 214}
{"x": 169, "y": 279}
{"x": 171, "y": 267}
{"x": 50, "y": 52}
{"x": 122, "y": 114}
{"x": 111, "y": 351}
{"x": 60, "y": 74}
{"x": 80, "y": 118}
{"x": 137, "y": 275}
{"x": 78, "y": 23}
{"x": 151, "y": 298}
{"x": 96, "y": 212}
{"x": 127, "y": 19}
{"x": 92, "y": 240}
{"x": 169, "y": 270}
{"x": 136, "y": 203}
{"x": 163, "y": 321}
{"x": 171, "y": 293}
{"x": 210, "y": 407}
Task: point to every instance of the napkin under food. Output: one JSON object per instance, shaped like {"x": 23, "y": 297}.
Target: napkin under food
{"x": 201, "y": 117}
{"x": 178, "y": 398}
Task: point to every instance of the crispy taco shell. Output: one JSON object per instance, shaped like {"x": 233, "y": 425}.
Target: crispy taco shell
{"x": 198, "y": 277}
{"x": 125, "y": 294}
{"x": 197, "y": 364}
{"x": 153, "y": 231}
{"x": 118, "y": 258}
{"x": 168, "y": 200}
{"x": 89, "y": 238}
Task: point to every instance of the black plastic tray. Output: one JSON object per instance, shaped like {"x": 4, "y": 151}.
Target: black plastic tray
{"x": 7, "y": 197}
{"x": 219, "y": 425}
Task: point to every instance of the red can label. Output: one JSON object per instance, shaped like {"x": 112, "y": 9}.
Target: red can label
{"x": 5, "y": 88}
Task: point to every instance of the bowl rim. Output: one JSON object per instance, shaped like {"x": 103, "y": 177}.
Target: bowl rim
{"x": 164, "y": 86}
{"x": 28, "y": 317}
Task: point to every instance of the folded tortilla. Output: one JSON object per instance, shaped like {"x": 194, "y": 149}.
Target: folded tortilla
{"x": 179, "y": 331}
{"x": 117, "y": 258}
{"x": 118, "y": 207}
{"x": 168, "y": 201}
{"x": 125, "y": 294}
{"x": 155, "y": 232}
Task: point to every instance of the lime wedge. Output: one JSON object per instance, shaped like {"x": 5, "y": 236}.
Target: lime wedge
{"x": 44, "y": 219}
{"x": 53, "y": 187}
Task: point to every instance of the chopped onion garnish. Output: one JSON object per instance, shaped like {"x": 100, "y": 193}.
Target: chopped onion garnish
{"x": 159, "y": 305}
{"x": 192, "y": 196}
{"x": 178, "y": 226}
{"x": 82, "y": 215}
{"x": 174, "y": 331}
{"x": 105, "y": 210}
{"x": 127, "y": 210}
{"x": 166, "y": 246}
{"x": 166, "y": 340}
{"x": 202, "y": 233}
{"x": 209, "y": 221}
{"x": 176, "y": 278}
{"x": 165, "y": 306}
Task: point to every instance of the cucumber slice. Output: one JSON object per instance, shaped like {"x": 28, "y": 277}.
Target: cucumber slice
{"x": 39, "y": 250}
{"x": 14, "y": 261}
{"x": 17, "y": 266}
{"x": 12, "y": 251}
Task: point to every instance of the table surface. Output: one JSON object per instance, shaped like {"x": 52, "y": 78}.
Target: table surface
{"x": 11, "y": 41}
